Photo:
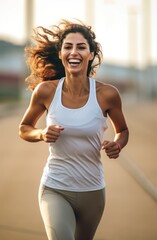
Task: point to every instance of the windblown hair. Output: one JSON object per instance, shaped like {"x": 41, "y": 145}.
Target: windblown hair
{"x": 43, "y": 59}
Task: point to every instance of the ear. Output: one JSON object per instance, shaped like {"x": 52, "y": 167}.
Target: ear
{"x": 91, "y": 56}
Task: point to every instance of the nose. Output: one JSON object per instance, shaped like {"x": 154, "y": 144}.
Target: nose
{"x": 73, "y": 51}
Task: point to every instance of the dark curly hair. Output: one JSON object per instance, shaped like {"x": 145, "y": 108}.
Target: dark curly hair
{"x": 43, "y": 59}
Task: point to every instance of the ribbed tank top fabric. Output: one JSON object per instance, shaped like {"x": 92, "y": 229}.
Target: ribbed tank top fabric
{"x": 74, "y": 162}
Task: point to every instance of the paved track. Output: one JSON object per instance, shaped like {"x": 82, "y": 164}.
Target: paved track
{"x": 131, "y": 207}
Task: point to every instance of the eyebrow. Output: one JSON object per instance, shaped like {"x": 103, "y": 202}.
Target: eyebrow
{"x": 77, "y": 43}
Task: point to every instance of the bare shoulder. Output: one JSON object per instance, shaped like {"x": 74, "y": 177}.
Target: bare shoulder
{"x": 107, "y": 92}
{"x": 46, "y": 88}
{"x": 44, "y": 92}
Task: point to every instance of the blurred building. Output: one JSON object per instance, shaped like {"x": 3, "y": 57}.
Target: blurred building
{"x": 127, "y": 29}
{"x": 12, "y": 70}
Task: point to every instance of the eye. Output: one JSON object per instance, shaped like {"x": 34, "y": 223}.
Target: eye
{"x": 67, "y": 47}
{"x": 81, "y": 47}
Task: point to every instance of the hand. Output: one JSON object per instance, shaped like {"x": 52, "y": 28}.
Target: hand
{"x": 112, "y": 149}
{"x": 51, "y": 133}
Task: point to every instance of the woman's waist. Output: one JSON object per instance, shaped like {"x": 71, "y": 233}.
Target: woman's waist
{"x": 73, "y": 176}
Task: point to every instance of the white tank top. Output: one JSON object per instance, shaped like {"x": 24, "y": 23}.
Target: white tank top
{"x": 74, "y": 159}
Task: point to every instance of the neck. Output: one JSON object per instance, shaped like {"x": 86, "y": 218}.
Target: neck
{"x": 77, "y": 86}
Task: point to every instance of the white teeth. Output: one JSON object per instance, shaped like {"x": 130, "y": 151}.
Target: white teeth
{"x": 74, "y": 61}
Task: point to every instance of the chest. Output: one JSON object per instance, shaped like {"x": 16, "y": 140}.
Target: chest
{"x": 74, "y": 101}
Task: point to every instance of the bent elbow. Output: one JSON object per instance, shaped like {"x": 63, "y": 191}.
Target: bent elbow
{"x": 21, "y": 131}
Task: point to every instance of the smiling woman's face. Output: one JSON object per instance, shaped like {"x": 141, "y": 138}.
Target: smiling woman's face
{"x": 75, "y": 53}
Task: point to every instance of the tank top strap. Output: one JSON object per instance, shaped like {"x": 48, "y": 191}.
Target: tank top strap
{"x": 58, "y": 94}
{"x": 93, "y": 97}
{"x": 59, "y": 88}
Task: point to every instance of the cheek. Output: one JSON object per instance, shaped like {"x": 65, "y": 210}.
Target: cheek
{"x": 63, "y": 59}
{"x": 62, "y": 55}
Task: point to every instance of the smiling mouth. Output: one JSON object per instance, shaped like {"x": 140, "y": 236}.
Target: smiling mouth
{"x": 74, "y": 61}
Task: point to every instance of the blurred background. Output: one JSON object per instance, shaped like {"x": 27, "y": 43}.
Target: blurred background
{"x": 127, "y": 32}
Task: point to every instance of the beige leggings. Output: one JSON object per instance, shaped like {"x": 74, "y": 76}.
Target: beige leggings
{"x": 71, "y": 215}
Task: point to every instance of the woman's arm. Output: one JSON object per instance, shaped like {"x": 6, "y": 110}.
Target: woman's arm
{"x": 40, "y": 100}
{"x": 116, "y": 115}
{"x": 36, "y": 108}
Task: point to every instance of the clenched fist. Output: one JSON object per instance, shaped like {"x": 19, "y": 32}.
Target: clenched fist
{"x": 51, "y": 133}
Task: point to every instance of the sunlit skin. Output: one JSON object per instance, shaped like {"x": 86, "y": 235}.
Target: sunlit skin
{"x": 75, "y": 55}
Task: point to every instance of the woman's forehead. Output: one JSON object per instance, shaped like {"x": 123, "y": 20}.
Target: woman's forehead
{"x": 75, "y": 37}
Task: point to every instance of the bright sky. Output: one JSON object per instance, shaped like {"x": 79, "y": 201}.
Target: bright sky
{"x": 46, "y": 13}
{"x": 12, "y": 19}
{"x": 112, "y": 23}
